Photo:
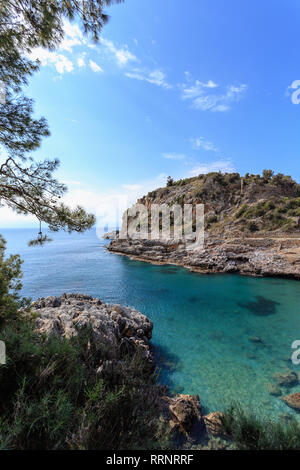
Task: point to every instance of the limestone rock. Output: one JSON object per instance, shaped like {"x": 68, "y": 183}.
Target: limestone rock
{"x": 118, "y": 326}
{"x": 111, "y": 235}
{"x": 183, "y": 412}
{"x": 249, "y": 256}
{"x": 214, "y": 425}
{"x": 293, "y": 401}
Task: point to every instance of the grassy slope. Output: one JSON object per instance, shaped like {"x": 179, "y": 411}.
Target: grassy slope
{"x": 253, "y": 203}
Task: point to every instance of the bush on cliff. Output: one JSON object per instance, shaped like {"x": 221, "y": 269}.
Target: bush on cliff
{"x": 51, "y": 396}
{"x": 249, "y": 431}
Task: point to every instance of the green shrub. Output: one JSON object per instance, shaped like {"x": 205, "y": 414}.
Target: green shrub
{"x": 212, "y": 219}
{"x": 241, "y": 211}
{"x": 253, "y": 227}
{"x": 170, "y": 181}
{"x": 249, "y": 431}
{"x": 52, "y": 398}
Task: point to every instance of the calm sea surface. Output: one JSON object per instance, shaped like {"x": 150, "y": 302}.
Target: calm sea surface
{"x": 203, "y": 324}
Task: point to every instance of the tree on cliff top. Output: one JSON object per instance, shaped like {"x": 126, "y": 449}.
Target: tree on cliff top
{"x": 26, "y": 186}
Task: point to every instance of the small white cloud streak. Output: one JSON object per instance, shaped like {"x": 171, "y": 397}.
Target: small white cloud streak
{"x": 203, "y": 99}
{"x": 121, "y": 55}
{"x": 132, "y": 187}
{"x": 201, "y": 143}
{"x": 174, "y": 156}
{"x": 155, "y": 77}
{"x": 95, "y": 67}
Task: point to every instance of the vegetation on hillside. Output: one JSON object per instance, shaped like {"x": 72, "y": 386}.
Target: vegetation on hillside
{"x": 251, "y": 203}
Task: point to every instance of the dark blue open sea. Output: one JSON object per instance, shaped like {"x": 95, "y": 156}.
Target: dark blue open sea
{"x": 202, "y": 323}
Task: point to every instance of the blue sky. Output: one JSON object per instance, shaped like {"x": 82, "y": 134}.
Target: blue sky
{"x": 173, "y": 88}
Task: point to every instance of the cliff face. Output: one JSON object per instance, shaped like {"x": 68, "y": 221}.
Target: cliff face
{"x": 252, "y": 225}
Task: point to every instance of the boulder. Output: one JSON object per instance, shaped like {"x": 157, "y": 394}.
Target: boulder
{"x": 184, "y": 412}
{"x": 287, "y": 379}
{"x": 214, "y": 425}
{"x": 293, "y": 401}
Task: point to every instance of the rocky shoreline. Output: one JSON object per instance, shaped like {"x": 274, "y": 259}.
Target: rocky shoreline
{"x": 119, "y": 326}
{"x": 127, "y": 330}
{"x": 275, "y": 257}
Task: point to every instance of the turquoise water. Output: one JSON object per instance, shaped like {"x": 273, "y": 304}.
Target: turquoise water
{"x": 202, "y": 323}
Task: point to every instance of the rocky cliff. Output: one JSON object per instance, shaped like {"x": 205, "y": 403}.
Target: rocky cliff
{"x": 251, "y": 225}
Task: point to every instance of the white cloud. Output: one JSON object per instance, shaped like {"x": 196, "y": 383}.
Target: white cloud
{"x": 132, "y": 187}
{"x": 174, "y": 156}
{"x": 95, "y": 67}
{"x": 46, "y": 57}
{"x": 81, "y": 62}
{"x": 73, "y": 37}
{"x": 197, "y": 89}
{"x": 201, "y": 143}
{"x": 221, "y": 165}
{"x": 71, "y": 183}
{"x": 109, "y": 206}
{"x": 10, "y": 219}
{"x": 204, "y": 99}
{"x": 122, "y": 55}
{"x": 156, "y": 77}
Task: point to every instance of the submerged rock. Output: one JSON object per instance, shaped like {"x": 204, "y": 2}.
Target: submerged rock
{"x": 262, "y": 306}
{"x": 293, "y": 401}
{"x": 286, "y": 418}
{"x": 256, "y": 339}
{"x": 273, "y": 389}
{"x": 287, "y": 379}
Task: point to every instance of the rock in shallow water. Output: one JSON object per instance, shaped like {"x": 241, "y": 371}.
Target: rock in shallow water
{"x": 293, "y": 401}
{"x": 287, "y": 379}
{"x": 273, "y": 389}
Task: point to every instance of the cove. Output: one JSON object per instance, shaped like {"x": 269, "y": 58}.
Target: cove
{"x": 222, "y": 337}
